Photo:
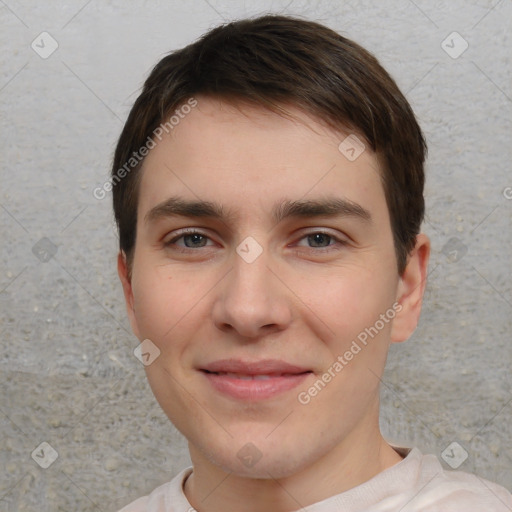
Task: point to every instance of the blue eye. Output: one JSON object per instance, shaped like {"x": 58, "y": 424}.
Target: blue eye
{"x": 194, "y": 238}
{"x": 319, "y": 238}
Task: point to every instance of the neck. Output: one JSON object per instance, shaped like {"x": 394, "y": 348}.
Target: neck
{"x": 355, "y": 460}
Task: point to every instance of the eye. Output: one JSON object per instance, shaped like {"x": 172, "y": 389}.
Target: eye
{"x": 191, "y": 239}
{"x": 320, "y": 240}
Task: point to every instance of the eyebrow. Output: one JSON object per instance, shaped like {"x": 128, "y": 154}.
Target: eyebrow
{"x": 326, "y": 207}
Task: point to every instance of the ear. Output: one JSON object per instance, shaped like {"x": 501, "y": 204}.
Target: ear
{"x": 124, "y": 276}
{"x": 411, "y": 288}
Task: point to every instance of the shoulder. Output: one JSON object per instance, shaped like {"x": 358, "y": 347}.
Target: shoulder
{"x": 166, "y": 497}
{"x": 441, "y": 490}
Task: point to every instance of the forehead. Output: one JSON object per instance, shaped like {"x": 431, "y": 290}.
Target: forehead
{"x": 215, "y": 119}
{"x": 239, "y": 152}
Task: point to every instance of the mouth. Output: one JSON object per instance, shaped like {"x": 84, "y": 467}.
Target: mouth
{"x": 253, "y": 376}
{"x": 252, "y": 381}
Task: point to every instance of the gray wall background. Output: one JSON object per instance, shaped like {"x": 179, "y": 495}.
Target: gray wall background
{"x": 68, "y": 374}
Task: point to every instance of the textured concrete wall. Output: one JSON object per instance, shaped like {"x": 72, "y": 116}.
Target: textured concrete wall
{"x": 68, "y": 374}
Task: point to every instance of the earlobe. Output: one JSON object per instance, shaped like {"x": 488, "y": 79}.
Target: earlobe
{"x": 124, "y": 276}
{"x": 410, "y": 290}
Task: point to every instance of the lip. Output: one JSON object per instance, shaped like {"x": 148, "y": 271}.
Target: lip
{"x": 256, "y": 380}
{"x": 261, "y": 367}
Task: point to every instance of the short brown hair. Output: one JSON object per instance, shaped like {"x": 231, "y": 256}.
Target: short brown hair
{"x": 271, "y": 61}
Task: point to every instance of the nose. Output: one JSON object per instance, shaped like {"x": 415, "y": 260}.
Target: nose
{"x": 252, "y": 301}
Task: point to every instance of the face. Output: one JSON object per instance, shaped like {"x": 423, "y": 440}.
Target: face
{"x": 272, "y": 305}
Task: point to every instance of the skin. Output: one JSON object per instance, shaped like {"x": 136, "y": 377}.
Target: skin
{"x": 302, "y": 301}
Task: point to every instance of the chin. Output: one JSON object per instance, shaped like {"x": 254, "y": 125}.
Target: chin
{"x": 257, "y": 459}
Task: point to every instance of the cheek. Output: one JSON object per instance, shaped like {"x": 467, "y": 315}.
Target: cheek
{"x": 167, "y": 304}
{"x": 156, "y": 301}
{"x": 349, "y": 303}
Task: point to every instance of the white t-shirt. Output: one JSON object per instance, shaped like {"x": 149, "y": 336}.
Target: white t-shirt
{"x": 416, "y": 484}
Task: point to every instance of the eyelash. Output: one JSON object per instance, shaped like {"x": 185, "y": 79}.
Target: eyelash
{"x": 171, "y": 243}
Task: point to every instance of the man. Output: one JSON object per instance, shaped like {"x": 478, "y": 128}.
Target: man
{"x": 268, "y": 189}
